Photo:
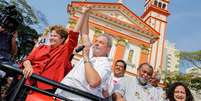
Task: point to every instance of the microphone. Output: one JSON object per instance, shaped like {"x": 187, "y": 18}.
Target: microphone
{"x": 80, "y": 48}
{"x": 77, "y": 50}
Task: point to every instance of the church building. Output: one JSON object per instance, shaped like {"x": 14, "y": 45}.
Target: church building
{"x": 136, "y": 39}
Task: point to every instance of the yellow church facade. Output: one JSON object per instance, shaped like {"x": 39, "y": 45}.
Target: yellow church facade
{"x": 135, "y": 39}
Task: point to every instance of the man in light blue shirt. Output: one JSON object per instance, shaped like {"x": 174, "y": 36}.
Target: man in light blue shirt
{"x": 138, "y": 88}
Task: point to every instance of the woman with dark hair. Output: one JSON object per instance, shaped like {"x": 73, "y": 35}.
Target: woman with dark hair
{"x": 179, "y": 92}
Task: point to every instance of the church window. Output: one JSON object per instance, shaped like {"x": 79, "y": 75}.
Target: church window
{"x": 160, "y": 4}
{"x": 164, "y": 6}
{"x": 155, "y": 3}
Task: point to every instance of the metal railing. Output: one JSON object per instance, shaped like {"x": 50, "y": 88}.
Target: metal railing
{"x": 22, "y": 84}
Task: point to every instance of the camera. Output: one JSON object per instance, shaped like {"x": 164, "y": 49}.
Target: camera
{"x": 10, "y": 18}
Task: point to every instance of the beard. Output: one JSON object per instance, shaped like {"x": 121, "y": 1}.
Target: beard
{"x": 142, "y": 81}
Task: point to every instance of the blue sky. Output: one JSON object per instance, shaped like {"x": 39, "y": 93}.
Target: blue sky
{"x": 184, "y": 23}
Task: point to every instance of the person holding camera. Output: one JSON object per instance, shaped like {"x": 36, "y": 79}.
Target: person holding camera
{"x": 10, "y": 19}
{"x": 8, "y": 49}
{"x": 8, "y": 46}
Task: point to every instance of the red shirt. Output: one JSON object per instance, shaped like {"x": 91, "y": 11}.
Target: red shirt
{"x": 52, "y": 62}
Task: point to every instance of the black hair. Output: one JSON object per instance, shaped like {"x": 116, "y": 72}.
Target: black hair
{"x": 171, "y": 89}
{"x": 122, "y": 61}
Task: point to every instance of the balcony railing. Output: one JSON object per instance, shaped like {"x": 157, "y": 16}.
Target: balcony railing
{"x": 21, "y": 85}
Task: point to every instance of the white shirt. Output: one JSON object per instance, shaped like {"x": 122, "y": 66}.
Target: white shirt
{"x": 113, "y": 83}
{"x": 76, "y": 78}
{"x": 131, "y": 90}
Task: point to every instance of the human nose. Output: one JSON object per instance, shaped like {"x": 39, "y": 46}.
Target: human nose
{"x": 96, "y": 43}
{"x": 146, "y": 76}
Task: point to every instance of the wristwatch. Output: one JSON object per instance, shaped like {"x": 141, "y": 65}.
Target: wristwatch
{"x": 86, "y": 60}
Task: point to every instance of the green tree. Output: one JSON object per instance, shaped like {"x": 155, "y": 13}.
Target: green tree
{"x": 26, "y": 34}
{"x": 24, "y": 8}
{"x": 191, "y": 80}
{"x": 193, "y": 58}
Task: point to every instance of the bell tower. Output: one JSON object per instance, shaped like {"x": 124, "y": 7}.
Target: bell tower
{"x": 155, "y": 14}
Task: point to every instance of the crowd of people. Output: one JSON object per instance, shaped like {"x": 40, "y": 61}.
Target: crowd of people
{"x": 93, "y": 73}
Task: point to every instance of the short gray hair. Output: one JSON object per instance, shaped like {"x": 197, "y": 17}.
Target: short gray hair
{"x": 109, "y": 39}
{"x": 150, "y": 66}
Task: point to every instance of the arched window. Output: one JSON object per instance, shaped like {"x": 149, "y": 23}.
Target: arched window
{"x": 164, "y": 6}
{"x": 160, "y": 4}
{"x": 155, "y": 3}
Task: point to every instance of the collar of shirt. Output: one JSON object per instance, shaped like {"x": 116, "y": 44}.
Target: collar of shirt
{"x": 94, "y": 59}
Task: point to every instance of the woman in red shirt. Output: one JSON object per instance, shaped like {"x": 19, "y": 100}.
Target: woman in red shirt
{"x": 51, "y": 61}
